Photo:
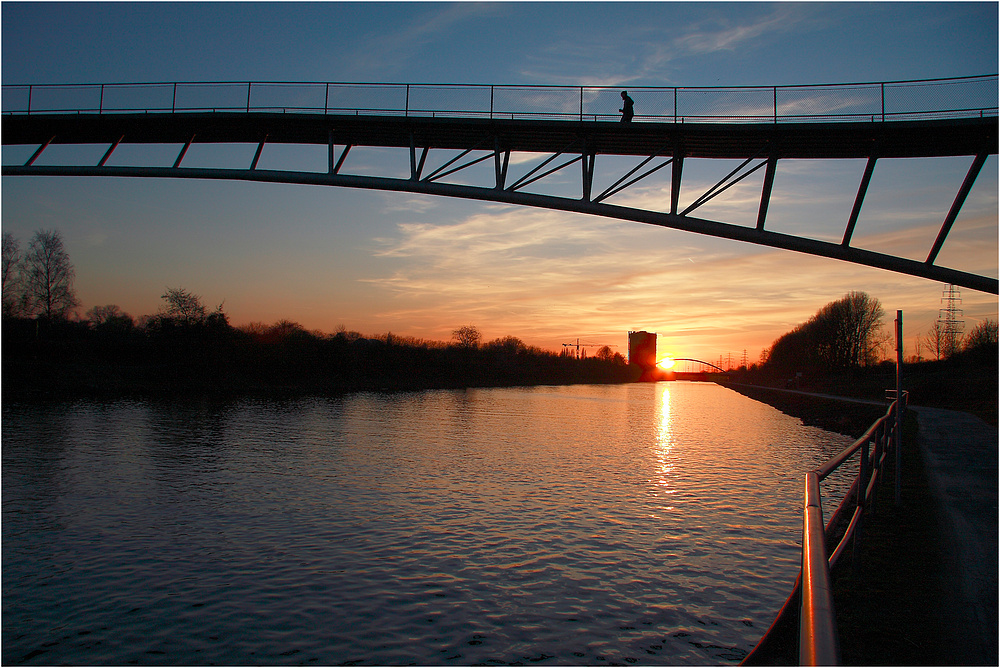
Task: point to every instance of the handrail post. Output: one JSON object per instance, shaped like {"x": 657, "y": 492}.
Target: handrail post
{"x": 883, "y": 102}
{"x": 864, "y": 474}
{"x": 581, "y": 103}
{"x": 818, "y": 630}
{"x": 29, "y": 99}
{"x": 248, "y": 96}
{"x": 675, "y": 105}
{"x": 899, "y": 382}
{"x": 173, "y": 101}
{"x": 326, "y": 100}
{"x": 775, "y": 104}
{"x": 866, "y": 470}
{"x": 407, "y": 111}
{"x": 100, "y": 108}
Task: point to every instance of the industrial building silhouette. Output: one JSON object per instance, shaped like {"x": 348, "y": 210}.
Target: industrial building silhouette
{"x": 642, "y": 350}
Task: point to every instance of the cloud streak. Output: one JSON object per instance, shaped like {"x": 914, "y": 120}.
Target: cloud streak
{"x": 535, "y": 273}
{"x": 640, "y": 54}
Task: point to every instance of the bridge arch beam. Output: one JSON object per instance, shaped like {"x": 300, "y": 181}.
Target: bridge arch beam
{"x": 477, "y": 140}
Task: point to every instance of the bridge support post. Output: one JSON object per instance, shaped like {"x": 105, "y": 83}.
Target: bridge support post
{"x": 765, "y": 193}
{"x": 500, "y": 166}
{"x": 330, "y": 158}
{"x": 588, "y": 174}
{"x": 675, "y": 181}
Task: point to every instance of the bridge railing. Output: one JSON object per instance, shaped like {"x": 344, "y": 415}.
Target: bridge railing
{"x": 962, "y": 97}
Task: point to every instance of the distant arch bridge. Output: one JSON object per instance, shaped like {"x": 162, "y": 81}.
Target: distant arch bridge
{"x": 702, "y": 362}
{"x": 477, "y": 128}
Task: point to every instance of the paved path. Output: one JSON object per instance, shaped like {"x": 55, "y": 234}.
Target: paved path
{"x": 960, "y": 456}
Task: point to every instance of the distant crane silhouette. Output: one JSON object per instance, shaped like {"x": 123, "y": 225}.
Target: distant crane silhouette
{"x": 584, "y": 346}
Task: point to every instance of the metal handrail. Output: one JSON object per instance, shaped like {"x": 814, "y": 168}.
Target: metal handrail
{"x": 810, "y": 596}
{"x": 818, "y": 643}
{"x": 844, "y": 102}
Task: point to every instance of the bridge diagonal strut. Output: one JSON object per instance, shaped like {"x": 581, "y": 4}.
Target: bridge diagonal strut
{"x": 614, "y": 188}
{"x": 862, "y": 190}
{"x": 717, "y": 190}
{"x": 440, "y": 171}
{"x": 38, "y": 151}
{"x": 111, "y": 149}
{"x": 956, "y": 206}
{"x": 260, "y": 149}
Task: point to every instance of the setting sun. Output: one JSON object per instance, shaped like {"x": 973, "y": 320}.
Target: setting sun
{"x": 665, "y": 363}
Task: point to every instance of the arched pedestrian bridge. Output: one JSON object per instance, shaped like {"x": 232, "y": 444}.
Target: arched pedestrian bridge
{"x": 457, "y": 141}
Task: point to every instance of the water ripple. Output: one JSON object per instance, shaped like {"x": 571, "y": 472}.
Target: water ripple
{"x": 586, "y": 525}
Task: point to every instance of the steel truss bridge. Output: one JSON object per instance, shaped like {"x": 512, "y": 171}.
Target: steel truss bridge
{"x": 478, "y": 128}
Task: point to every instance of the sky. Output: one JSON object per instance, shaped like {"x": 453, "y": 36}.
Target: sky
{"x": 423, "y": 266}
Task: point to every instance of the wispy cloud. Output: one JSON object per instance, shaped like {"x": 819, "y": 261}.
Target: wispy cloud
{"x": 390, "y": 47}
{"x": 641, "y": 54}
{"x": 721, "y": 34}
{"x": 535, "y": 274}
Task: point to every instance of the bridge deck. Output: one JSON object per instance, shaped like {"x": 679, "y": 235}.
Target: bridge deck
{"x": 894, "y": 139}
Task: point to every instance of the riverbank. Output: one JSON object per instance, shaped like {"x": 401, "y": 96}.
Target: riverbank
{"x": 850, "y": 417}
{"x": 966, "y": 381}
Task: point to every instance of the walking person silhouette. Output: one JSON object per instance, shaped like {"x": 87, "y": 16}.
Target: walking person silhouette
{"x": 627, "y": 103}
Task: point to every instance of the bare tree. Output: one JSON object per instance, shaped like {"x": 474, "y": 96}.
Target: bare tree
{"x": 605, "y": 353}
{"x": 933, "y": 340}
{"x": 847, "y": 331}
{"x": 982, "y": 335}
{"x": 110, "y": 319}
{"x": 843, "y": 334}
{"x": 468, "y": 336}
{"x": 183, "y": 306}
{"x": 13, "y": 285}
{"x": 98, "y": 315}
{"x": 48, "y": 276}
{"x": 507, "y": 344}
{"x": 11, "y": 258}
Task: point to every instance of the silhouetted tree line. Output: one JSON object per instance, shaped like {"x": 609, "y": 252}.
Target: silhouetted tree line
{"x": 848, "y": 334}
{"x": 842, "y": 349}
{"x": 942, "y": 344}
{"x": 185, "y": 347}
{"x": 844, "y": 334}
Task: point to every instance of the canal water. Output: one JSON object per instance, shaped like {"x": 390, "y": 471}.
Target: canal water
{"x": 584, "y": 525}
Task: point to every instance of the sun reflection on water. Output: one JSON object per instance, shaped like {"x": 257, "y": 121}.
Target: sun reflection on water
{"x": 664, "y": 442}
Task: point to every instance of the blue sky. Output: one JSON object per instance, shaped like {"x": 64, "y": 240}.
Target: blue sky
{"x": 423, "y": 266}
